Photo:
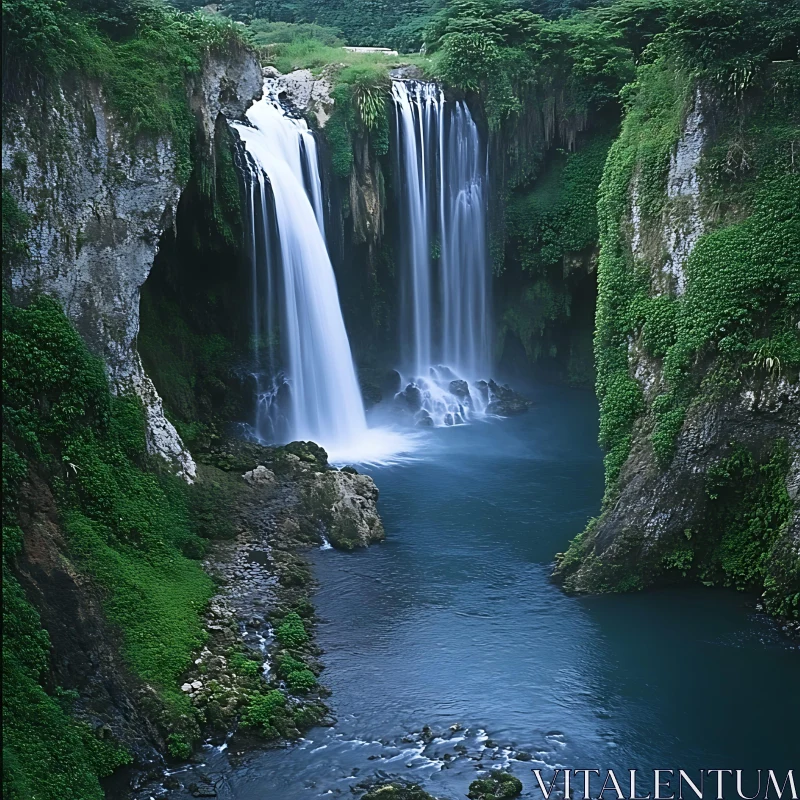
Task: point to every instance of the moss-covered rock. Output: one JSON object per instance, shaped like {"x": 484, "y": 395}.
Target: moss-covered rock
{"x": 397, "y": 791}
{"x": 498, "y": 786}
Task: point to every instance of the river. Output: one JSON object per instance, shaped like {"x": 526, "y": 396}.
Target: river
{"x": 453, "y": 621}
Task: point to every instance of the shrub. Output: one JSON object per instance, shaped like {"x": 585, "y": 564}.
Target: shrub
{"x": 291, "y": 632}
{"x": 266, "y": 713}
{"x": 301, "y": 680}
{"x": 178, "y": 746}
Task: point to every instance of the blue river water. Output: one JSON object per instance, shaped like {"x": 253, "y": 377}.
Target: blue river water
{"x": 453, "y": 622}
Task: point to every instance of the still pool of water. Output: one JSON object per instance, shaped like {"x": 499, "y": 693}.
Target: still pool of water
{"x": 453, "y": 621}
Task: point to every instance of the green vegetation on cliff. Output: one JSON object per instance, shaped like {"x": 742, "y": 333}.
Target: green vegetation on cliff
{"x": 142, "y": 54}
{"x": 683, "y": 330}
{"x": 127, "y": 529}
{"x": 552, "y": 235}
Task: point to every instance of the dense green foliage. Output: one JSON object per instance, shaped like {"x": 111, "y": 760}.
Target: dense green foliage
{"x": 47, "y": 754}
{"x": 558, "y": 215}
{"x": 360, "y": 109}
{"x": 731, "y": 322}
{"x": 142, "y": 52}
{"x": 742, "y": 281}
{"x": 749, "y": 510}
{"x": 551, "y": 230}
{"x": 126, "y": 527}
{"x": 291, "y": 632}
{"x": 400, "y": 25}
{"x": 514, "y": 57}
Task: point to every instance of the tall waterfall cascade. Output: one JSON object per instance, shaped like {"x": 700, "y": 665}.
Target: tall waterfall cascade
{"x": 442, "y": 187}
{"x": 295, "y": 297}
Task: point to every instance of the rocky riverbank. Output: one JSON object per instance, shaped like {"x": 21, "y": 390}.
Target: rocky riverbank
{"x": 255, "y": 682}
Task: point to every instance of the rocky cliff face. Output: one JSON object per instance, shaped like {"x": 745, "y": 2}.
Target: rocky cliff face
{"x": 98, "y": 202}
{"x": 697, "y": 337}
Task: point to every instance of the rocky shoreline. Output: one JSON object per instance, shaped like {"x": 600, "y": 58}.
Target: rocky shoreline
{"x": 255, "y": 682}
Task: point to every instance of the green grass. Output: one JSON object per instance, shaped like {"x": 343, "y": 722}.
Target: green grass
{"x": 288, "y": 47}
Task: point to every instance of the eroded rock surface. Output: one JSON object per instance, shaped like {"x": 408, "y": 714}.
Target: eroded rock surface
{"x": 346, "y": 503}
{"x": 98, "y": 202}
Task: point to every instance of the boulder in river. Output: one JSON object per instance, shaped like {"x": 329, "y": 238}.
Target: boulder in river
{"x": 410, "y": 397}
{"x": 424, "y": 419}
{"x": 505, "y": 402}
{"x": 459, "y": 389}
{"x": 397, "y": 791}
{"x": 498, "y": 786}
{"x": 346, "y": 503}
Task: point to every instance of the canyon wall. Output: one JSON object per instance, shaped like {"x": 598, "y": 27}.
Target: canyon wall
{"x": 98, "y": 199}
{"x": 696, "y": 345}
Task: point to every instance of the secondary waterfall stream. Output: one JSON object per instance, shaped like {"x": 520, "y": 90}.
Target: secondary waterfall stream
{"x": 444, "y": 260}
{"x": 294, "y": 296}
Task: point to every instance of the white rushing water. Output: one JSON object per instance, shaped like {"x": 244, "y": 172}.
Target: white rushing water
{"x": 295, "y": 293}
{"x": 444, "y": 260}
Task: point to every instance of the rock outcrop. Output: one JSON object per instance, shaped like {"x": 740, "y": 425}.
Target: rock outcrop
{"x": 699, "y": 405}
{"x": 98, "y": 201}
{"x": 308, "y": 94}
{"x": 504, "y": 401}
{"x": 346, "y": 504}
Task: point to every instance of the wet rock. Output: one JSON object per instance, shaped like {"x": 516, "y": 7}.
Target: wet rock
{"x": 261, "y": 478}
{"x": 459, "y": 389}
{"x": 424, "y": 419}
{"x": 346, "y": 503}
{"x": 505, "y": 402}
{"x": 202, "y": 790}
{"x": 410, "y": 398}
{"x": 307, "y": 93}
{"x": 523, "y": 755}
{"x": 498, "y": 786}
{"x": 397, "y": 791}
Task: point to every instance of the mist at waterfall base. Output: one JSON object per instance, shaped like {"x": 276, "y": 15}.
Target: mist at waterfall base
{"x": 294, "y": 291}
{"x": 453, "y": 621}
{"x": 441, "y": 185}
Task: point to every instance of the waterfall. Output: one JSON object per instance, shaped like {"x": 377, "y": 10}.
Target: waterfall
{"x": 294, "y": 295}
{"x": 442, "y": 188}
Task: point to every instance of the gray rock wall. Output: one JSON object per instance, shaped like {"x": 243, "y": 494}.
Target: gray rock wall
{"x": 98, "y": 203}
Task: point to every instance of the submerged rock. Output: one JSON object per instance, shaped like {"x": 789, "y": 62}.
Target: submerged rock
{"x": 397, "y": 791}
